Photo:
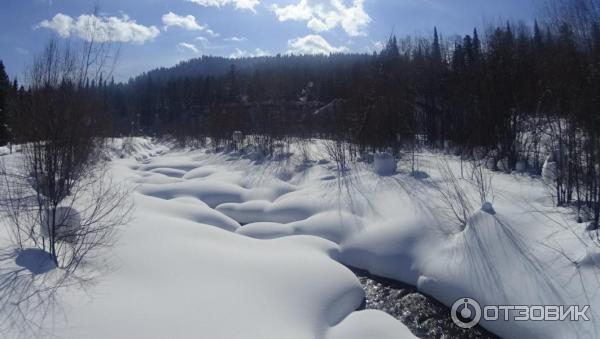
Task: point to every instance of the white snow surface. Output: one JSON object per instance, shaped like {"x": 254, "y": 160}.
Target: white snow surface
{"x": 222, "y": 247}
{"x": 180, "y": 270}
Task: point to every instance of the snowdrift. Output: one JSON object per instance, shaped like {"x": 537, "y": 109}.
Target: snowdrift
{"x": 222, "y": 247}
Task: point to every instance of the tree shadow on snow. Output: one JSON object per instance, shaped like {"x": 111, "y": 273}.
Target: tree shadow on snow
{"x": 30, "y": 292}
{"x": 491, "y": 244}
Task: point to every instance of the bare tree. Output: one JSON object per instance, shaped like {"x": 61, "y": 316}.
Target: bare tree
{"x": 482, "y": 180}
{"x": 59, "y": 199}
{"x": 336, "y": 150}
{"x": 456, "y": 202}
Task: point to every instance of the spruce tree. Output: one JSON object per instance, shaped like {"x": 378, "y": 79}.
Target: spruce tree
{"x": 436, "y": 48}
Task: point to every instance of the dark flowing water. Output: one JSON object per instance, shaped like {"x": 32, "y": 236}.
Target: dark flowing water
{"x": 423, "y": 315}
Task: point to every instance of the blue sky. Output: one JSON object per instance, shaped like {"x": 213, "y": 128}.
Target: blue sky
{"x": 155, "y": 33}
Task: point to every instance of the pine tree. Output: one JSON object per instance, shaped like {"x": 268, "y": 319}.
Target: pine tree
{"x": 233, "y": 90}
{"x": 436, "y": 48}
{"x": 476, "y": 45}
{"x": 537, "y": 35}
{"x": 391, "y": 50}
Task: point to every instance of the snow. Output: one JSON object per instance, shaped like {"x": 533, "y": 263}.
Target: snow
{"x": 4, "y": 150}
{"x": 67, "y": 221}
{"x": 331, "y": 225}
{"x": 387, "y": 250}
{"x": 216, "y": 284}
{"x": 521, "y": 166}
{"x": 180, "y": 269}
{"x": 384, "y": 163}
{"x": 212, "y": 193}
{"x": 221, "y": 247}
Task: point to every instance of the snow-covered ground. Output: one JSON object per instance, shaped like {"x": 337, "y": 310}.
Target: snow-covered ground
{"x": 222, "y": 246}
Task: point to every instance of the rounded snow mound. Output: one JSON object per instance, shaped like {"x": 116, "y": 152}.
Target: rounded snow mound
{"x": 503, "y": 165}
{"x": 384, "y": 163}
{"x": 521, "y": 166}
{"x": 67, "y": 222}
{"x": 550, "y": 169}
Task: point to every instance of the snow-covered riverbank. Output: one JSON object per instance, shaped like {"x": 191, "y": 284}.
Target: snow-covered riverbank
{"x": 185, "y": 266}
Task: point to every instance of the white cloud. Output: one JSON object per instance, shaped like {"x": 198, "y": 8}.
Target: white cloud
{"x": 184, "y": 46}
{"x": 313, "y": 44}
{"x": 236, "y": 39}
{"x": 187, "y": 22}
{"x": 211, "y": 33}
{"x": 376, "y": 46}
{"x": 100, "y": 28}
{"x": 61, "y": 24}
{"x": 324, "y": 15}
{"x": 247, "y": 54}
{"x": 239, "y": 4}
{"x": 203, "y": 42}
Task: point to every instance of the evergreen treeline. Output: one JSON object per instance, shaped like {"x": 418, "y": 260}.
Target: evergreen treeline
{"x": 472, "y": 92}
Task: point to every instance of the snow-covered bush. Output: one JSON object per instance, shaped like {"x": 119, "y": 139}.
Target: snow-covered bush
{"x": 482, "y": 180}
{"x": 456, "y": 206}
{"x": 337, "y": 152}
{"x": 304, "y": 148}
